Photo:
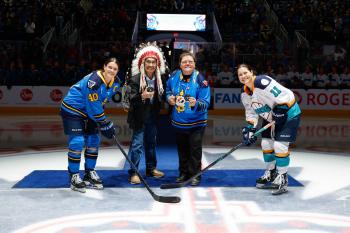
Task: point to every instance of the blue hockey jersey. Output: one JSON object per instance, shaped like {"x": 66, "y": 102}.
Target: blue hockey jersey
{"x": 185, "y": 117}
{"x": 87, "y": 97}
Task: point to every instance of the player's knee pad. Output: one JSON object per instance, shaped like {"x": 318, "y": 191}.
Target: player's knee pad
{"x": 93, "y": 141}
{"x": 76, "y": 142}
{"x": 281, "y": 148}
{"x": 282, "y": 153}
{"x": 268, "y": 151}
{"x": 267, "y": 144}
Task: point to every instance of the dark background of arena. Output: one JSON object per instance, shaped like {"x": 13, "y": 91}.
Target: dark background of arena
{"x": 56, "y": 43}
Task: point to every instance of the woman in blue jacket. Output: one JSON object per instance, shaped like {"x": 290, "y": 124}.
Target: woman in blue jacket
{"x": 189, "y": 94}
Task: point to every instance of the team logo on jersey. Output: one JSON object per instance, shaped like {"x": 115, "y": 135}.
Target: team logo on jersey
{"x": 263, "y": 110}
{"x": 205, "y": 83}
{"x": 91, "y": 84}
{"x": 264, "y": 82}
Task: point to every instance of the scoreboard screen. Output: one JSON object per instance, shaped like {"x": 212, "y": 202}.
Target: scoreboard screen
{"x": 176, "y": 22}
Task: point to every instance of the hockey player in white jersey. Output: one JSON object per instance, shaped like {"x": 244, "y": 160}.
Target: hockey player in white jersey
{"x": 265, "y": 98}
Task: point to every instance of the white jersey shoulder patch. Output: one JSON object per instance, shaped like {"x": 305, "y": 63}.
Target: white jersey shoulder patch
{"x": 262, "y": 81}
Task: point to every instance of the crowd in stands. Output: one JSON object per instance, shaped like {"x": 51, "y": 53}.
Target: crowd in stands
{"x": 321, "y": 77}
{"x": 106, "y": 26}
{"x": 26, "y": 19}
{"x": 322, "y": 20}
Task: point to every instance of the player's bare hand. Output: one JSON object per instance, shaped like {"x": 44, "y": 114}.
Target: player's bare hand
{"x": 192, "y": 101}
{"x": 171, "y": 100}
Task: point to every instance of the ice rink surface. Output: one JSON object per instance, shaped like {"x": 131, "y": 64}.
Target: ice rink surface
{"x": 320, "y": 160}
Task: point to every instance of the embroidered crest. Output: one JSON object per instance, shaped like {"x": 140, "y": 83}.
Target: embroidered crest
{"x": 265, "y": 82}
{"x": 91, "y": 84}
{"x": 205, "y": 83}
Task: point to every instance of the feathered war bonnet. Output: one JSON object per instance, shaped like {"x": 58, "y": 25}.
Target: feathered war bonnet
{"x": 146, "y": 50}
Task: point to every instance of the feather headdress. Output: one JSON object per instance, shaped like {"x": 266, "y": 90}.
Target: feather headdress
{"x": 146, "y": 50}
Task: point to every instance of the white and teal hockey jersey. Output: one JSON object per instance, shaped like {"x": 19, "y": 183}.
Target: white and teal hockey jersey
{"x": 264, "y": 96}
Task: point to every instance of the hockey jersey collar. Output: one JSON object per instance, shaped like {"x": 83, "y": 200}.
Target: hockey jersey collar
{"x": 192, "y": 78}
{"x": 248, "y": 90}
{"x": 110, "y": 84}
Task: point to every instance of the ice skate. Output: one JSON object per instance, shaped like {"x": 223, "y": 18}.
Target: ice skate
{"x": 264, "y": 182}
{"x": 92, "y": 180}
{"x": 76, "y": 184}
{"x": 280, "y": 184}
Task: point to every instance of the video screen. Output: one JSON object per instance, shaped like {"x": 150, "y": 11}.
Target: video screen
{"x": 176, "y": 22}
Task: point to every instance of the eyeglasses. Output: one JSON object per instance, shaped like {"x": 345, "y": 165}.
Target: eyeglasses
{"x": 189, "y": 62}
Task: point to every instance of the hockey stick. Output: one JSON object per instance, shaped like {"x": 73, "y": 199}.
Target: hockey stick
{"x": 164, "y": 199}
{"x": 182, "y": 184}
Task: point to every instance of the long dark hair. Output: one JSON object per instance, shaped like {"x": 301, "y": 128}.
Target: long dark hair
{"x": 249, "y": 67}
{"x": 112, "y": 59}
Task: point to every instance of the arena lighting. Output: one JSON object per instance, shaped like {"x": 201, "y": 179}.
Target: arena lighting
{"x": 176, "y": 22}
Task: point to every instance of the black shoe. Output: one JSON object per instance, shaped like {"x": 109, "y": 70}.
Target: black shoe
{"x": 181, "y": 179}
{"x": 195, "y": 181}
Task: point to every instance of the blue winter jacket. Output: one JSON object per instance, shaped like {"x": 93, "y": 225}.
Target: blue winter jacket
{"x": 189, "y": 117}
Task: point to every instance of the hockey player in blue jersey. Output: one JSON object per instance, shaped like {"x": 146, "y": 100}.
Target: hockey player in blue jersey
{"x": 189, "y": 94}
{"x": 83, "y": 115}
{"x": 265, "y": 98}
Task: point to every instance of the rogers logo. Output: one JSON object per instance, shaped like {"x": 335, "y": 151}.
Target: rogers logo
{"x": 26, "y": 95}
{"x": 1, "y": 94}
{"x": 56, "y": 95}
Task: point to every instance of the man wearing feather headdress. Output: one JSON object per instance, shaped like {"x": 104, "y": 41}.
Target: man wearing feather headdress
{"x": 147, "y": 90}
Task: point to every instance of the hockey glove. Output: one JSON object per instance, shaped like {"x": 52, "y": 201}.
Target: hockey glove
{"x": 279, "y": 115}
{"x": 248, "y": 135}
{"x": 107, "y": 129}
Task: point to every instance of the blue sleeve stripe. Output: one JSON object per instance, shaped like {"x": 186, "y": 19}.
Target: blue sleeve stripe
{"x": 73, "y": 109}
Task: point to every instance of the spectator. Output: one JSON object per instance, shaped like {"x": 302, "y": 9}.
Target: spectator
{"x": 321, "y": 78}
{"x": 294, "y": 76}
{"x": 345, "y": 77}
{"x": 334, "y": 78}
{"x": 307, "y": 77}
{"x": 225, "y": 77}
